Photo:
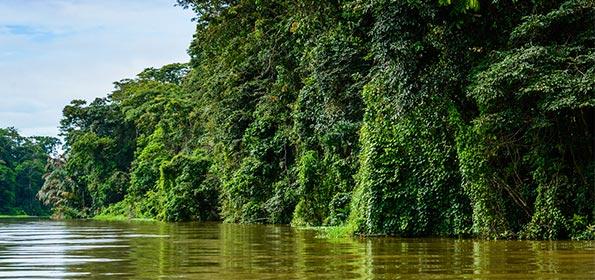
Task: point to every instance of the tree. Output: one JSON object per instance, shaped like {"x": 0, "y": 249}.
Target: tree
{"x": 22, "y": 161}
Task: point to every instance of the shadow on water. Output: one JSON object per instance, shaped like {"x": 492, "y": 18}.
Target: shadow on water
{"x": 43, "y": 249}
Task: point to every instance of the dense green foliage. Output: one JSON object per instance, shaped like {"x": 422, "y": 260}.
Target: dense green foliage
{"x": 410, "y": 118}
{"x": 22, "y": 165}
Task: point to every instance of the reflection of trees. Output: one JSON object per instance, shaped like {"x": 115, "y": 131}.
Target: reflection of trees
{"x": 322, "y": 258}
{"x": 227, "y": 251}
{"x": 528, "y": 258}
{"x": 257, "y": 250}
{"x": 547, "y": 256}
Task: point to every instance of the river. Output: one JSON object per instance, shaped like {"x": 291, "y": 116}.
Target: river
{"x": 44, "y": 249}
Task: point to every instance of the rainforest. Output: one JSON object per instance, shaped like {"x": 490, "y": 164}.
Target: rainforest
{"x": 411, "y": 118}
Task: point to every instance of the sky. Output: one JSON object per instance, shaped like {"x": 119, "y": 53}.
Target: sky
{"x": 54, "y": 51}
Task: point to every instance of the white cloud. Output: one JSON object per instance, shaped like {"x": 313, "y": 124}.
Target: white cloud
{"x": 57, "y": 50}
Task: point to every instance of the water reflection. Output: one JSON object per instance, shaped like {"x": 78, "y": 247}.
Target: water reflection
{"x": 40, "y": 249}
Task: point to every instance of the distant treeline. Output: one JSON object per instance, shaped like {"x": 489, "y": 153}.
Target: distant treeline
{"x": 22, "y": 165}
{"x": 409, "y": 118}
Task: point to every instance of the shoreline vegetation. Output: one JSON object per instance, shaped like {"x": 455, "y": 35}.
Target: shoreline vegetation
{"x": 120, "y": 218}
{"x": 20, "y": 216}
{"x": 462, "y": 118}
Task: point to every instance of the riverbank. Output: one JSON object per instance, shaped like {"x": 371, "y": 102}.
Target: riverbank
{"x": 120, "y": 218}
{"x": 20, "y": 216}
{"x": 336, "y": 233}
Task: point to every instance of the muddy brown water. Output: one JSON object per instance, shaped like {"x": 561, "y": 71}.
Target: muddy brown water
{"x": 44, "y": 249}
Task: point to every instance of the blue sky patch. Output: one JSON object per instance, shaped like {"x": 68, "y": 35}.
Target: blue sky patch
{"x": 54, "y": 51}
{"x": 31, "y": 32}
